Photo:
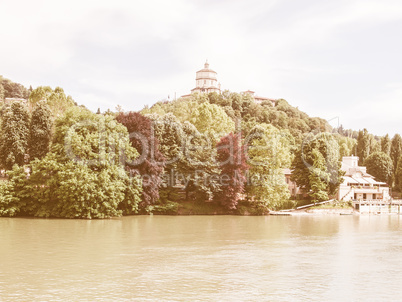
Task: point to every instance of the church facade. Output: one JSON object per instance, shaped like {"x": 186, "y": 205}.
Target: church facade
{"x": 206, "y": 81}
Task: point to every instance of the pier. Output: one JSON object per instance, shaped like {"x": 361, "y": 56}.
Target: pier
{"x": 377, "y": 206}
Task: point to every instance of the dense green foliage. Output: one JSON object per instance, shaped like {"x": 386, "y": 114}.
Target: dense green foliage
{"x": 211, "y": 118}
{"x": 83, "y": 175}
{"x": 316, "y": 166}
{"x": 219, "y": 114}
{"x": 56, "y": 99}
{"x": 398, "y": 175}
{"x": 347, "y": 146}
{"x": 224, "y": 152}
{"x": 9, "y": 89}
{"x": 242, "y": 107}
{"x": 8, "y": 201}
{"x": 190, "y": 158}
{"x": 232, "y": 160}
{"x": 318, "y": 178}
{"x": 366, "y": 144}
{"x": 386, "y": 144}
{"x": 151, "y": 162}
{"x": 268, "y": 154}
{"x": 14, "y": 134}
{"x": 396, "y": 149}
{"x": 379, "y": 164}
{"x": 40, "y": 131}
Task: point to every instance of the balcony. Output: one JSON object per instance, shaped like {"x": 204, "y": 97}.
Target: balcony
{"x": 368, "y": 190}
{"x": 378, "y": 201}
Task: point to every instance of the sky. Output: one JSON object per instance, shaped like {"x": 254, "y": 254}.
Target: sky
{"x": 339, "y": 60}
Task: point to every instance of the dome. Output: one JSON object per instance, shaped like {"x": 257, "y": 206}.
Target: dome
{"x": 206, "y": 73}
{"x": 206, "y": 80}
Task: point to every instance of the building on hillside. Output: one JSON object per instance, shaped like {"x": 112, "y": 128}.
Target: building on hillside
{"x": 358, "y": 185}
{"x": 259, "y": 99}
{"x": 294, "y": 189}
{"x": 206, "y": 81}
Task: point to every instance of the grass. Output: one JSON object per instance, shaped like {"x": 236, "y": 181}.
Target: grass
{"x": 334, "y": 205}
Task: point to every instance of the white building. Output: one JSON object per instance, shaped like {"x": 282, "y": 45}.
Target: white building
{"x": 259, "y": 99}
{"x": 359, "y": 185}
{"x": 206, "y": 81}
{"x": 294, "y": 189}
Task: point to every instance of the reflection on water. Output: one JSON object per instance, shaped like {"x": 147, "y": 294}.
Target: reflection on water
{"x": 201, "y": 258}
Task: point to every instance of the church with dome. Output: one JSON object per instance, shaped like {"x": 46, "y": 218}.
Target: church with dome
{"x": 206, "y": 81}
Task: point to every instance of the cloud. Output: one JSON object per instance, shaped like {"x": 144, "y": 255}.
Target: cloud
{"x": 326, "y": 57}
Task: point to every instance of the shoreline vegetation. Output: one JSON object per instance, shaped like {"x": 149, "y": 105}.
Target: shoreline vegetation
{"x": 200, "y": 155}
{"x": 245, "y": 209}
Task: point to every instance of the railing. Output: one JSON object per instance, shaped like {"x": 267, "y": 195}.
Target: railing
{"x": 378, "y": 201}
{"x": 350, "y": 190}
{"x": 367, "y": 190}
{"x": 313, "y": 204}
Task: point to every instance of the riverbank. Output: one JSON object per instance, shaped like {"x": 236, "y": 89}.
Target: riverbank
{"x": 207, "y": 208}
{"x": 247, "y": 209}
{"x": 315, "y": 212}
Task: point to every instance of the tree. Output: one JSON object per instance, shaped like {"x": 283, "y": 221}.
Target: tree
{"x": 219, "y": 99}
{"x": 13, "y": 90}
{"x": 318, "y": 178}
{"x": 2, "y": 91}
{"x": 14, "y": 135}
{"x": 268, "y": 153}
{"x": 169, "y": 132}
{"x": 232, "y": 159}
{"x": 151, "y": 163}
{"x": 211, "y": 118}
{"x": 198, "y": 167}
{"x": 83, "y": 176}
{"x": 119, "y": 109}
{"x": 363, "y": 146}
{"x": 396, "y": 149}
{"x": 9, "y": 205}
{"x": 308, "y": 166}
{"x": 71, "y": 190}
{"x": 386, "y": 144}
{"x": 398, "y": 175}
{"x": 40, "y": 131}
{"x": 236, "y": 101}
{"x": 380, "y": 166}
{"x": 346, "y": 145}
{"x": 56, "y": 99}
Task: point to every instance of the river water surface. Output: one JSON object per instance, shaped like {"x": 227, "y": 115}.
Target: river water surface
{"x": 204, "y": 258}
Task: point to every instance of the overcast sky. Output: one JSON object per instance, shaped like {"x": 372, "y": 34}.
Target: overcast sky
{"x": 330, "y": 59}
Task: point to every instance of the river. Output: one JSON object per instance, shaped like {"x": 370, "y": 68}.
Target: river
{"x": 202, "y": 258}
